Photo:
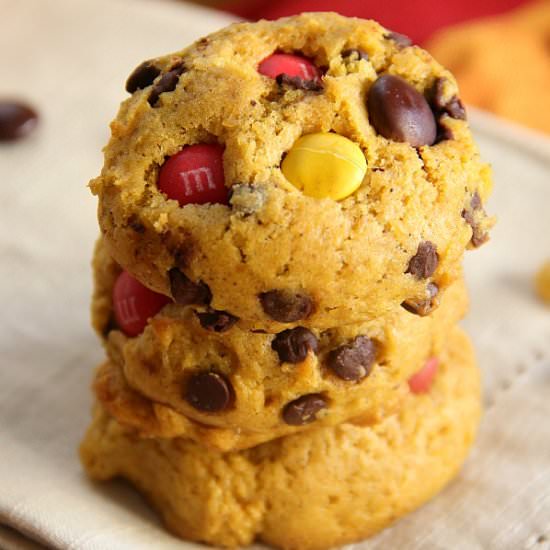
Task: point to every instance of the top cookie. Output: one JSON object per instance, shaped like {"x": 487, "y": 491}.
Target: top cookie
{"x": 314, "y": 170}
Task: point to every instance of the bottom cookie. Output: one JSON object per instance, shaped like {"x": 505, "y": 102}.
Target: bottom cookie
{"x": 314, "y": 490}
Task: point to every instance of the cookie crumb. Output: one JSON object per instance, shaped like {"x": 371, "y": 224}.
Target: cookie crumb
{"x": 542, "y": 282}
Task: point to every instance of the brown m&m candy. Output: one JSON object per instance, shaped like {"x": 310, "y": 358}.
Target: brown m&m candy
{"x": 17, "y": 120}
{"x": 400, "y": 113}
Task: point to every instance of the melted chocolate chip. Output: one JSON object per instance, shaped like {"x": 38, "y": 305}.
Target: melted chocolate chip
{"x": 135, "y": 224}
{"x": 209, "y": 392}
{"x": 455, "y": 109}
{"x": 399, "y": 112}
{"x": 304, "y": 409}
{"x": 293, "y": 345}
{"x": 355, "y": 54}
{"x": 217, "y": 321}
{"x": 444, "y": 133}
{"x": 353, "y": 361}
{"x": 286, "y": 306}
{"x": 475, "y": 202}
{"x": 452, "y": 107}
{"x": 424, "y": 263}
{"x": 471, "y": 216}
{"x": 402, "y": 40}
{"x": 185, "y": 292}
{"x": 16, "y": 120}
{"x": 167, "y": 83}
{"x": 299, "y": 83}
{"x": 183, "y": 253}
{"x": 424, "y": 306}
{"x": 142, "y": 76}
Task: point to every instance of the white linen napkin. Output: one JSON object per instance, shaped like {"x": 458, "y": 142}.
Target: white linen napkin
{"x": 70, "y": 58}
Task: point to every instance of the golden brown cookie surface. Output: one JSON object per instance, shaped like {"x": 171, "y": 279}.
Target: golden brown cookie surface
{"x": 272, "y": 254}
{"x": 183, "y": 375}
{"x": 370, "y": 475}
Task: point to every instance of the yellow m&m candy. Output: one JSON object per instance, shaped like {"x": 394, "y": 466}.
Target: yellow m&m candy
{"x": 325, "y": 165}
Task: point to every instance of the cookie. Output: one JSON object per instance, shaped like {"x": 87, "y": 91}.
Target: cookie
{"x": 311, "y": 171}
{"x": 371, "y": 475}
{"x": 254, "y": 386}
{"x": 481, "y": 61}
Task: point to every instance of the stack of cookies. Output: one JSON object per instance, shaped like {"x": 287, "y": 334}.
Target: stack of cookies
{"x": 284, "y": 209}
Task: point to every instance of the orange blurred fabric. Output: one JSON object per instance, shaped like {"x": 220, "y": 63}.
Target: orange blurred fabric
{"x": 503, "y": 63}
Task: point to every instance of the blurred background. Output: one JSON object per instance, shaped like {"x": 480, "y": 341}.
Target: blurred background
{"x": 498, "y": 49}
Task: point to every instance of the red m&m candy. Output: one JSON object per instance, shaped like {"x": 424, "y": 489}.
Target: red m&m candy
{"x": 195, "y": 175}
{"x": 422, "y": 381}
{"x": 291, "y": 65}
{"x": 134, "y": 304}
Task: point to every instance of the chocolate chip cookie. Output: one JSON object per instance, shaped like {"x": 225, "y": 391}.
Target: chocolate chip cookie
{"x": 313, "y": 490}
{"x": 253, "y": 386}
{"x": 307, "y": 172}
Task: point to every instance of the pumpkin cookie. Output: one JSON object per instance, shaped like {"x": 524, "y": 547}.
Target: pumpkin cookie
{"x": 192, "y": 369}
{"x": 371, "y": 475}
{"x": 313, "y": 171}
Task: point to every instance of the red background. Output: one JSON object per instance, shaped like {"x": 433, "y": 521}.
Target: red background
{"x": 416, "y": 18}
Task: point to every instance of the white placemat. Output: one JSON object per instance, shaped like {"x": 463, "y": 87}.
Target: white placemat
{"x": 70, "y": 58}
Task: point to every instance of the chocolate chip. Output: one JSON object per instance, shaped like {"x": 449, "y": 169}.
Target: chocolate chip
{"x": 17, "y": 120}
{"x": 286, "y": 306}
{"x": 424, "y": 306}
{"x": 399, "y": 112}
{"x": 142, "y": 76}
{"x": 356, "y": 54}
{"x": 304, "y": 409}
{"x": 110, "y": 325}
{"x": 167, "y": 83}
{"x": 472, "y": 217}
{"x": 353, "y": 361}
{"x": 135, "y": 224}
{"x": 479, "y": 236}
{"x": 299, "y": 83}
{"x": 217, "y": 321}
{"x": 424, "y": 263}
{"x": 453, "y": 107}
{"x": 185, "y": 292}
{"x": 402, "y": 40}
{"x": 183, "y": 253}
{"x": 476, "y": 203}
{"x": 293, "y": 345}
{"x": 209, "y": 392}
{"x": 444, "y": 133}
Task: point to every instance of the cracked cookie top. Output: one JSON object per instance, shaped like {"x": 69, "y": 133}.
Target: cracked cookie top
{"x": 314, "y": 171}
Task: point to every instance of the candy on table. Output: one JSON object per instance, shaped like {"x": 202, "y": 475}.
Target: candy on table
{"x": 542, "y": 282}
{"x": 195, "y": 175}
{"x": 134, "y": 304}
{"x": 17, "y": 120}
{"x": 325, "y": 165}
{"x": 422, "y": 381}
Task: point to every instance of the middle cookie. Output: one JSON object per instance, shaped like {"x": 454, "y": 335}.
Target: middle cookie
{"x": 255, "y": 386}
